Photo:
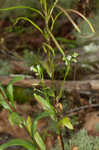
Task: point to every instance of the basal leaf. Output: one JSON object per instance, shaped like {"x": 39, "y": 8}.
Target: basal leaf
{"x": 4, "y": 103}
{"x": 29, "y": 124}
{"x": 26, "y": 144}
{"x": 44, "y": 103}
{"x": 39, "y": 141}
{"x": 3, "y": 91}
{"x": 10, "y": 94}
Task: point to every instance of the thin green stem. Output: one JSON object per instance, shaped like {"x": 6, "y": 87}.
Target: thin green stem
{"x": 56, "y": 43}
{"x": 62, "y": 85}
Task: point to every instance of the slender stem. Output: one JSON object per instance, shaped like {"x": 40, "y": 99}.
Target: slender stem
{"x": 62, "y": 85}
{"x": 56, "y": 43}
{"x": 60, "y": 141}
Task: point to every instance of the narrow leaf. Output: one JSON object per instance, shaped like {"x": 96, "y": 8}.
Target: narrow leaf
{"x": 50, "y": 11}
{"x": 45, "y": 104}
{"x": 78, "y": 13}
{"x": 22, "y": 7}
{"x": 4, "y": 104}
{"x": 29, "y": 20}
{"x": 29, "y": 124}
{"x": 10, "y": 94}
{"x": 50, "y": 48}
{"x": 3, "y": 91}
{"x": 26, "y": 144}
{"x": 39, "y": 141}
{"x": 54, "y": 20}
{"x": 69, "y": 18}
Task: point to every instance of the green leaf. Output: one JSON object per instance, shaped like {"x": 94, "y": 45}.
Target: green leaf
{"x": 56, "y": 43}
{"x": 14, "y": 118}
{"x": 39, "y": 141}
{"x": 44, "y": 48}
{"x": 65, "y": 122}
{"x": 10, "y": 88}
{"x": 69, "y": 18}
{"x": 4, "y": 104}
{"x": 29, "y": 20}
{"x": 35, "y": 121}
{"x": 10, "y": 94}
{"x": 48, "y": 67}
{"x": 50, "y": 48}
{"x": 2, "y": 90}
{"x": 51, "y": 92}
{"x": 16, "y": 79}
{"x": 50, "y": 11}
{"x": 26, "y": 144}
{"x": 44, "y": 103}
{"x": 29, "y": 124}
{"x": 75, "y": 55}
{"x": 54, "y": 20}
{"x": 78, "y": 13}
{"x": 22, "y": 7}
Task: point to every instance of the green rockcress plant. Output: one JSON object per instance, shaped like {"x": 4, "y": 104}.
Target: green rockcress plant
{"x": 7, "y": 101}
{"x": 42, "y": 96}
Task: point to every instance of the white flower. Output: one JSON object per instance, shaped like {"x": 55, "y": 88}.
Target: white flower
{"x": 31, "y": 68}
{"x": 69, "y": 57}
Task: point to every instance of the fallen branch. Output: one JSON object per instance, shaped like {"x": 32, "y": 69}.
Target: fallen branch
{"x": 86, "y": 86}
{"x": 81, "y": 108}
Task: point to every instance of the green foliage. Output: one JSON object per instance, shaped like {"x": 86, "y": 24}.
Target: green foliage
{"x": 35, "y": 133}
{"x": 82, "y": 141}
{"x": 85, "y": 142}
{"x": 65, "y": 122}
{"x": 87, "y": 35}
{"x": 3, "y": 103}
{"x": 10, "y": 3}
{"x": 53, "y": 112}
{"x": 26, "y": 144}
{"x": 7, "y": 101}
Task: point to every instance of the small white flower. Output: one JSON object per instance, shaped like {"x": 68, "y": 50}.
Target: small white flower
{"x": 69, "y": 57}
{"x": 34, "y": 69}
{"x": 31, "y": 68}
